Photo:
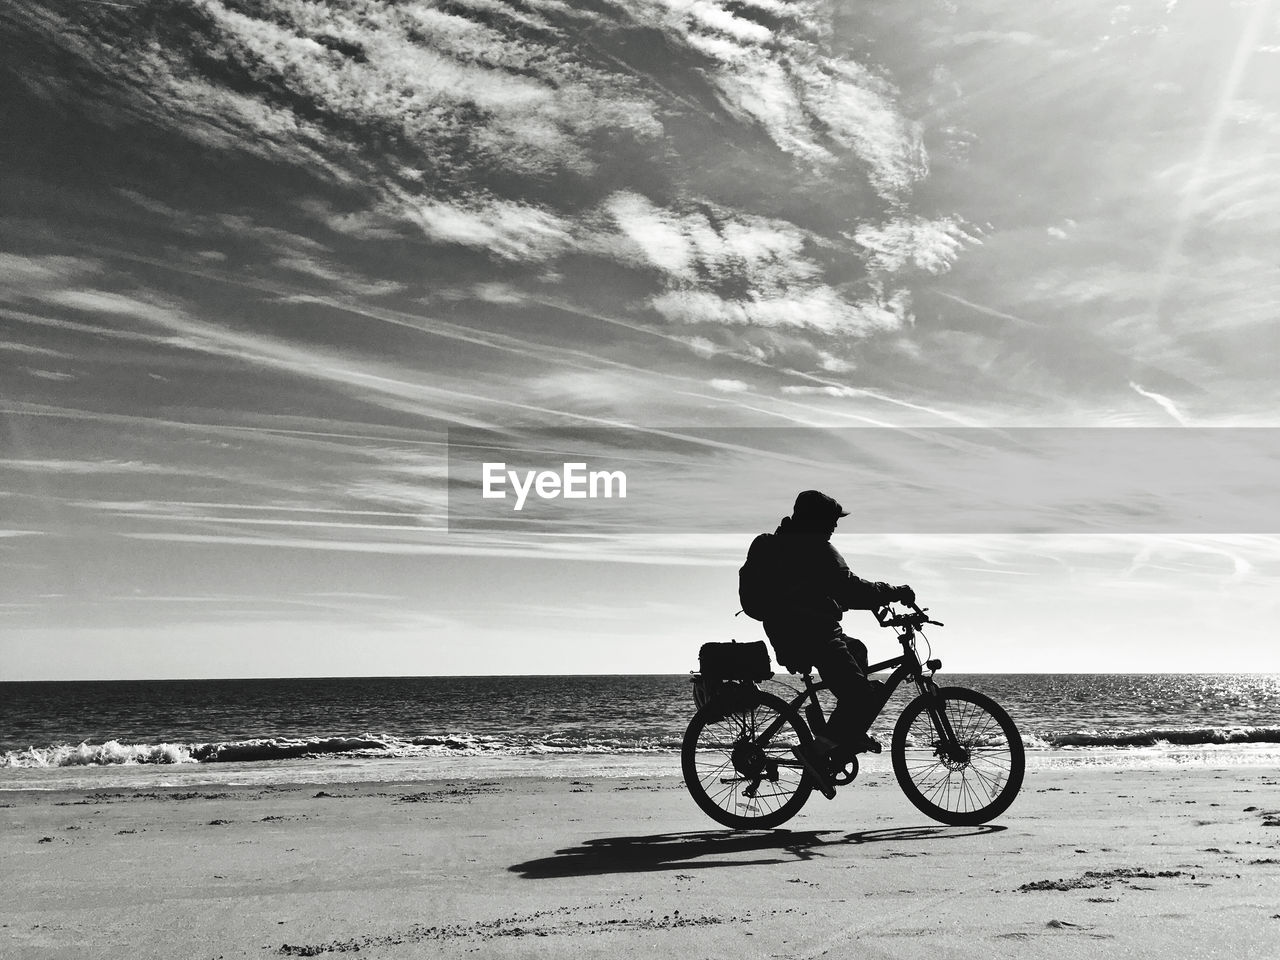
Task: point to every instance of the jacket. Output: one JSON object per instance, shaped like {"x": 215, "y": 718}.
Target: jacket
{"x": 814, "y": 587}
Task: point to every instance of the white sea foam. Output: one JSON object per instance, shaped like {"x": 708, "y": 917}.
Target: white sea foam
{"x": 466, "y": 745}
{"x": 1166, "y": 736}
{"x": 86, "y": 754}
{"x": 367, "y": 746}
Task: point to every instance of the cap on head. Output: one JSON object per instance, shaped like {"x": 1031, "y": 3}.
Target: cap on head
{"x": 812, "y": 505}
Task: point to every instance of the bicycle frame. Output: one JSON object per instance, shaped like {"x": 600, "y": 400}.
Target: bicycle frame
{"x": 906, "y": 666}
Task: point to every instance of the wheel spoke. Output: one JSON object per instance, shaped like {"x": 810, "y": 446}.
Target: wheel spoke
{"x": 969, "y": 780}
{"x": 988, "y": 782}
{"x": 724, "y": 760}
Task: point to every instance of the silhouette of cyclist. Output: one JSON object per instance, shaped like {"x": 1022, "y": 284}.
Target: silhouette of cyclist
{"x": 810, "y": 586}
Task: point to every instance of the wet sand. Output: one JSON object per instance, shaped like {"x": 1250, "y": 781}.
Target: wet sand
{"x": 1147, "y": 862}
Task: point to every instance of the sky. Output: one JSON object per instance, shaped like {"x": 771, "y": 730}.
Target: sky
{"x": 260, "y": 263}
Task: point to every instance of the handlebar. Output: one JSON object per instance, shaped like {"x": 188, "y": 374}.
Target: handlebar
{"x": 917, "y": 618}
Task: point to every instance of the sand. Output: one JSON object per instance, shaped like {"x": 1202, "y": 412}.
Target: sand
{"x": 1148, "y": 862}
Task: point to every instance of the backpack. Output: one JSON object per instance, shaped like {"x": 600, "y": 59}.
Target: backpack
{"x": 758, "y": 578}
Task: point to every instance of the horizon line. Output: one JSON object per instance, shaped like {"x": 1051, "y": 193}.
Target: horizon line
{"x": 513, "y": 676}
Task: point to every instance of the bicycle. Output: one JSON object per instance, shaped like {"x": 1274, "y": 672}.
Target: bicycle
{"x": 956, "y": 753}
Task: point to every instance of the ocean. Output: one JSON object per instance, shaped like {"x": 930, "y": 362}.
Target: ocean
{"x": 98, "y": 734}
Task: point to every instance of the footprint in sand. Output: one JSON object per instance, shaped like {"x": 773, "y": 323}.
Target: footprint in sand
{"x": 1055, "y": 926}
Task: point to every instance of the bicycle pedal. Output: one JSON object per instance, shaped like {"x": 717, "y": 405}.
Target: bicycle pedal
{"x": 820, "y": 777}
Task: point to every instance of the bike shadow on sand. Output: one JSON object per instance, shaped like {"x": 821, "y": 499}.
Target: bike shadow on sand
{"x": 719, "y": 848}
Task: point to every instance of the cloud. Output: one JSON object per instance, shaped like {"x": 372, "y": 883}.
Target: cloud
{"x": 508, "y": 230}
{"x": 662, "y": 240}
{"x": 41, "y": 272}
{"x": 145, "y": 307}
{"x": 931, "y": 246}
{"x": 819, "y": 387}
{"x": 688, "y": 244}
{"x": 511, "y": 138}
{"x": 237, "y": 231}
{"x": 88, "y": 467}
{"x": 834, "y": 364}
{"x": 724, "y": 267}
{"x": 729, "y": 386}
{"x": 702, "y": 346}
{"x": 401, "y": 99}
{"x": 34, "y": 351}
{"x": 820, "y": 309}
{"x": 69, "y": 283}
{"x": 811, "y": 389}
{"x": 439, "y": 78}
{"x": 811, "y": 103}
{"x": 336, "y": 276}
{"x": 494, "y": 129}
{"x": 1167, "y": 405}
{"x": 715, "y": 19}
{"x": 366, "y": 224}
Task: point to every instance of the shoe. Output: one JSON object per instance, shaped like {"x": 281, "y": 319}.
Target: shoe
{"x": 864, "y": 744}
{"x": 814, "y": 758}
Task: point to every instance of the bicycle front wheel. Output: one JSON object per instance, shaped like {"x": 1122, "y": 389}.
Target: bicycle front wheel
{"x": 958, "y": 756}
{"x": 737, "y": 760}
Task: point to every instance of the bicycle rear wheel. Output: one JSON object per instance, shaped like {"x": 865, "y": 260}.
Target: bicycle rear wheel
{"x": 962, "y": 781}
{"x": 737, "y": 760}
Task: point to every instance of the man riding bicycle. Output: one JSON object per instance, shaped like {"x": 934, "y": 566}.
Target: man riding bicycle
{"x": 799, "y": 585}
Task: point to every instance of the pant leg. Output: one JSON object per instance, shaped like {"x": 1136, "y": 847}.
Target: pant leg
{"x": 841, "y": 661}
{"x": 859, "y": 651}
{"x": 796, "y": 637}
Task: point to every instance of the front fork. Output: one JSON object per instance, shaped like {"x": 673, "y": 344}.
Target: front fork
{"x": 949, "y": 746}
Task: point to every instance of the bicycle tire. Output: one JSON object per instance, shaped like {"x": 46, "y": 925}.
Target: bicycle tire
{"x": 719, "y": 787}
{"x": 965, "y": 790}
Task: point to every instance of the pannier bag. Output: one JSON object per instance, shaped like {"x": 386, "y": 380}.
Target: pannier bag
{"x": 735, "y": 661}
{"x": 730, "y": 696}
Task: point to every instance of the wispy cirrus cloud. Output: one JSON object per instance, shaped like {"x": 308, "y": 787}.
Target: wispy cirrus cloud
{"x": 438, "y": 78}
{"x": 820, "y": 309}
{"x": 768, "y": 64}
{"x": 34, "y": 351}
{"x": 929, "y": 246}
{"x": 507, "y": 230}
{"x": 723, "y": 267}
{"x": 265, "y": 252}
{"x": 496, "y": 130}
{"x": 84, "y": 467}
{"x": 336, "y": 276}
{"x": 1163, "y": 402}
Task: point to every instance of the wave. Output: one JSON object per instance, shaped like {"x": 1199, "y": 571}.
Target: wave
{"x": 364, "y": 746}
{"x": 1145, "y": 737}
{"x": 87, "y": 755}
{"x": 1166, "y": 736}
{"x": 371, "y": 746}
